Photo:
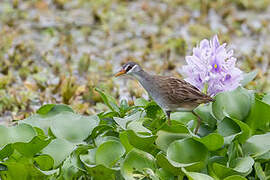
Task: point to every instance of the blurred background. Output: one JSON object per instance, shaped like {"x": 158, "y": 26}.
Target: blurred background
{"x": 58, "y": 51}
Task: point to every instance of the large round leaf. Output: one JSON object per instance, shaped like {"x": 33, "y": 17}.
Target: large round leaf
{"x": 212, "y": 141}
{"x": 182, "y": 117}
{"x": 239, "y": 166}
{"x": 257, "y": 145}
{"x": 44, "y": 162}
{"x": 164, "y": 175}
{"x": 205, "y": 113}
{"x": 123, "y": 136}
{"x": 248, "y": 77}
{"x": 122, "y": 122}
{"x": 187, "y": 152}
{"x": 196, "y": 175}
{"x": 266, "y": 98}
{"x": 168, "y": 134}
{"x": 140, "y": 141}
{"x": 43, "y": 118}
{"x": 228, "y": 129}
{"x": 163, "y": 162}
{"x": 73, "y": 127}
{"x": 136, "y": 161}
{"x": 235, "y": 177}
{"x": 20, "y": 133}
{"x": 53, "y": 109}
{"x": 33, "y": 147}
{"x": 242, "y": 164}
{"x": 259, "y": 117}
{"x": 99, "y": 172}
{"x": 89, "y": 158}
{"x": 59, "y": 150}
{"x": 235, "y": 104}
{"x": 137, "y": 126}
{"x": 109, "y": 153}
{"x": 22, "y": 170}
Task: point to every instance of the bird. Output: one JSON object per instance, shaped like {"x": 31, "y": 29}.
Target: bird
{"x": 170, "y": 93}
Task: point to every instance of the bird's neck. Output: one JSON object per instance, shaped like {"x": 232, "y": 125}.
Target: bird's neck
{"x": 143, "y": 77}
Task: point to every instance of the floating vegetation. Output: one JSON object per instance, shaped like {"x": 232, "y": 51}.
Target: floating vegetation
{"x": 59, "y": 51}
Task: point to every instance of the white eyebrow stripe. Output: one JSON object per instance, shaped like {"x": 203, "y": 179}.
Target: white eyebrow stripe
{"x": 133, "y": 68}
{"x": 126, "y": 67}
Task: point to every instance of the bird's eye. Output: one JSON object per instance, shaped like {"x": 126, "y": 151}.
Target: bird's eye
{"x": 128, "y": 68}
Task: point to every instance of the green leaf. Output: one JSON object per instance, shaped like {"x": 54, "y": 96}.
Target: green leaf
{"x": 136, "y": 161}
{"x": 137, "y": 126}
{"x": 245, "y": 131}
{"x": 242, "y": 164}
{"x": 33, "y": 147}
{"x": 6, "y": 151}
{"x": 73, "y": 127}
{"x": 257, "y": 145}
{"x": 234, "y": 104}
{"x": 100, "y": 172}
{"x": 22, "y": 170}
{"x": 212, "y": 141}
{"x": 196, "y": 175}
{"x": 40, "y": 121}
{"x": 20, "y": 133}
{"x": 153, "y": 110}
{"x": 167, "y": 134}
{"x": 124, "y": 140}
{"x": 101, "y": 139}
{"x": 59, "y": 150}
{"x": 45, "y": 109}
{"x": 266, "y": 99}
{"x": 53, "y": 109}
{"x": 221, "y": 171}
{"x": 183, "y": 117}
{"x": 195, "y": 154}
{"x": 140, "y": 141}
{"x": 100, "y": 129}
{"x": 141, "y": 102}
{"x": 163, "y": 162}
{"x": 122, "y": 122}
{"x": 44, "y": 162}
{"x": 109, "y": 153}
{"x": 43, "y": 119}
{"x": 235, "y": 177}
{"x": 108, "y": 100}
{"x": 259, "y": 171}
{"x": 264, "y": 157}
{"x": 239, "y": 166}
{"x": 204, "y": 111}
{"x": 70, "y": 169}
{"x": 90, "y": 157}
{"x": 259, "y": 117}
{"x": 228, "y": 129}
{"x": 164, "y": 175}
{"x": 248, "y": 77}
{"x": 233, "y": 128}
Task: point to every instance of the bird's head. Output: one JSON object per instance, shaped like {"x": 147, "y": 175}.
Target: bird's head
{"x": 129, "y": 68}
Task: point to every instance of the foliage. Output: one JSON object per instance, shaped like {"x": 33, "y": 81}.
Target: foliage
{"x": 57, "y": 51}
{"x": 135, "y": 142}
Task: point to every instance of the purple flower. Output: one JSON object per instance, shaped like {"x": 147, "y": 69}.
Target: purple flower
{"x": 211, "y": 68}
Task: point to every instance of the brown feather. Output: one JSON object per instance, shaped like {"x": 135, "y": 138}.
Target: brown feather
{"x": 180, "y": 93}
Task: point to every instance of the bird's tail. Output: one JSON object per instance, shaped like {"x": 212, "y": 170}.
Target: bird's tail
{"x": 209, "y": 99}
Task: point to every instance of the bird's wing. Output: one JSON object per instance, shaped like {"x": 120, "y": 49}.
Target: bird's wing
{"x": 180, "y": 91}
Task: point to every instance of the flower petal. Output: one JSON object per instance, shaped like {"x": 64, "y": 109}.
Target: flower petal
{"x": 211, "y": 63}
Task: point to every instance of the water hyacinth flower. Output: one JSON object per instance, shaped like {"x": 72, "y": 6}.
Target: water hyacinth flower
{"x": 211, "y": 68}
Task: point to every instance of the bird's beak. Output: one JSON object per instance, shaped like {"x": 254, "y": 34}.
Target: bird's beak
{"x": 120, "y": 73}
